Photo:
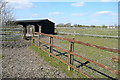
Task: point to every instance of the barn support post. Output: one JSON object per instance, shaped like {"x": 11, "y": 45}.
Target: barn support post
{"x": 39, "y": 39}
{"x": 70, "y": 56}
{"x": 51, "y": 47}
{"x": 28, "y": 30}
{"x": 33, "y": 41}
{"x": 25, "y": 31}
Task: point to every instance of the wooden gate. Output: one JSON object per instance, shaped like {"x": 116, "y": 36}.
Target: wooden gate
{"x": 10, "y": 33}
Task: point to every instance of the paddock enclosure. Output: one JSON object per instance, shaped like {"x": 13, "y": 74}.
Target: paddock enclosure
{"x": 93, "y": 52}
{"x": 99, "y": 64}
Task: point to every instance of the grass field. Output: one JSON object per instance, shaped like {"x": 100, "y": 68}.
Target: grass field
{"x": 96, "y": 31}
{"x": 98, "y": 55}
{"x": 101, "y": 56}
{"x": 107, "y": 42}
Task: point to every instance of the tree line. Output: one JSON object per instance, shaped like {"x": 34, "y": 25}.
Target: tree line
{"x": 83, "y": 26}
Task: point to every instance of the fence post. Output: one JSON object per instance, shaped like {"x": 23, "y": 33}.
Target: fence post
{"x": 70, "y": 56}
{"x": 33, "y": 41}
{"x": 51, "y": 47}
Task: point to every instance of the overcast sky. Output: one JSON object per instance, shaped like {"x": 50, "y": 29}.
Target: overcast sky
{"x": 94, "y": 12}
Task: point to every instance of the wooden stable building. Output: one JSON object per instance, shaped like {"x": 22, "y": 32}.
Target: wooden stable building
{"x": 43, "y": 26}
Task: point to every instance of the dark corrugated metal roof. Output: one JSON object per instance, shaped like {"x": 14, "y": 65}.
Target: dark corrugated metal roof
{"x": 24, "y": 21}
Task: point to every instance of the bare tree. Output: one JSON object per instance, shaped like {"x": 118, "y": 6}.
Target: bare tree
{"x": 6, "y": 15}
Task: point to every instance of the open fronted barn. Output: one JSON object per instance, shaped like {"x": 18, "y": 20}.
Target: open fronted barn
{"x": 44, "y": 26}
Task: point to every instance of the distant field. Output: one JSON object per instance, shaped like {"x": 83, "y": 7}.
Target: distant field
{"x": 95, "y": 31}
{"x": 107, "y": 42}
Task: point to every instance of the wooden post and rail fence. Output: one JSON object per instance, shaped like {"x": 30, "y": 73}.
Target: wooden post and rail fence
{"x": 71, "y": 54}
{"x": 10, "y": 33}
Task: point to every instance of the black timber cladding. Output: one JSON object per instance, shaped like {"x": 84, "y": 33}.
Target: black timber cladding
{"x": 47, "y": 26}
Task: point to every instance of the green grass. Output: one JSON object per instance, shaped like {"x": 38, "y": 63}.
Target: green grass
{"x": 56, "y": 63}
{"x": 95, "y": 31}
{"x": 98, "y": 55}
{"x": 106, "y": 42}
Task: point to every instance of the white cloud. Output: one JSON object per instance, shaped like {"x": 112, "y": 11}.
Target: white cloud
{"x": 73, "y": 0}
{"x": 55, "y": 13}
{"x": 68, "y": 0}
{"x": 108, "y": 0}
{"x": 104, "y": 13}
{"x": 79, "y": 4}
{"x": 77, "y": 14}
{"x": 21, "y": 4}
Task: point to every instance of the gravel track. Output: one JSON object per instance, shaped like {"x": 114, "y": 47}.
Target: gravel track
{"x": 19, "y": 61}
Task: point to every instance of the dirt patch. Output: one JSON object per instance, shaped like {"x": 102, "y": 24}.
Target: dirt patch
{"x": 19, "y": 61}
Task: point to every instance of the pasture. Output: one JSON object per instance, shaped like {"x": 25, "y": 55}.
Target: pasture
{"x": 102, "y": 56}
{"x": 97, "y": 62}
{"x": 95, "y": 31}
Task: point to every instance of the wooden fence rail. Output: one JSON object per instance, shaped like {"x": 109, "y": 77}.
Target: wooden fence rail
{"x": 90, "y": 35}
{"x": 71, "y": 53}
{"x": 83, "y": 43}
